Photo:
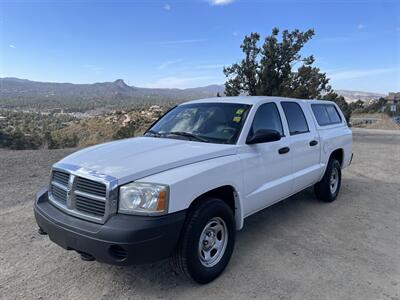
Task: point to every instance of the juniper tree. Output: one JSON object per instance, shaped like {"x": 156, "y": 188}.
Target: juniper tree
{"x": 277, "y": 68}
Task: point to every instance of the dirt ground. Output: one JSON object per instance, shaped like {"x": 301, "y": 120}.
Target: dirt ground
{"x": 297, "y": 249}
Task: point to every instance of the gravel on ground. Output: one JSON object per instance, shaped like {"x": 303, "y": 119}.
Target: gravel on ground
{"x": 297, "y": 249}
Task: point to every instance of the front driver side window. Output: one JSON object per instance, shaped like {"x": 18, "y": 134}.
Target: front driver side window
{"x": 267, "y": 117}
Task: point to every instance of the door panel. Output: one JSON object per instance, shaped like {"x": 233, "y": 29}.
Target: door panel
{"x": 267, "y": 166}
{"x": 306, "y": 167}
{"x": 267, "y": 174}
{"x": 304, "y": 143}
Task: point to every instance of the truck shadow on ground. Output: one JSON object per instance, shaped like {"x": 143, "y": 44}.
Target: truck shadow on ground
{"x": 264, "y": 225}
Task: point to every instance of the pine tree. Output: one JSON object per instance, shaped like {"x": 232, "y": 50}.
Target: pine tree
{"x": 278, "y": 69}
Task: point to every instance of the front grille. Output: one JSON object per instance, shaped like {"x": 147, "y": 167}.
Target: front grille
{"x": 91, "y": 206}
{"x": 86, "y": 197}
{"x": 59, "y": 194}
{"x": 60, "y": 177}
{"x": 90, "y": 187}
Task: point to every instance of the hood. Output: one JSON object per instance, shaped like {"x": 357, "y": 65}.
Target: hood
{"x": 135, "y": 158}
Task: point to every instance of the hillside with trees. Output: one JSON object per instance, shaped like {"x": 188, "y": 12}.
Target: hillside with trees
{"x": 24, "y": 94}
{"x": 33, "y": 130}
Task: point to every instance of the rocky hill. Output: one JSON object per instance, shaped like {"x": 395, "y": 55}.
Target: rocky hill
{"x": 22, "y": 93}
{"x": 352, "y": 96}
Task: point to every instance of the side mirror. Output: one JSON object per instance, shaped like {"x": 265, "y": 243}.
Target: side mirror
{"x": 263, "y": 136}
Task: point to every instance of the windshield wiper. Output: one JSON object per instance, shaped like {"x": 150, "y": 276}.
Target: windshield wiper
{"x": 189, "y": 135}
{"x": 154, "y": 133}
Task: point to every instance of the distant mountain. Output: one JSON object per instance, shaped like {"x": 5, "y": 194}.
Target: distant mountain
{"x": 14, "y": 87}
{"x": 352, "y": 96}
{"x": 22, "y": 93}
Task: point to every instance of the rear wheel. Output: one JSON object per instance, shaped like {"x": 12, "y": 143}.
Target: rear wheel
{"x": 207, "y": 241}
{"x": 328, "y": 188}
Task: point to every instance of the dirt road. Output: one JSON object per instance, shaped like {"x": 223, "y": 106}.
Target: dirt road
{"x": 297, "y": 249}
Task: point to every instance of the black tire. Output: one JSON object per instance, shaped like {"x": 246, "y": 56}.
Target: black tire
{"x": 323, "y": 189}
{"x": 187, "y": 256}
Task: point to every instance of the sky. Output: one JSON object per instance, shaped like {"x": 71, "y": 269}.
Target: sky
{"x": 186, "y": 43}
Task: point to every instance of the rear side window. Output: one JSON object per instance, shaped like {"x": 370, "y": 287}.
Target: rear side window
{"x": 321, "y": 114}
{"x": 295, "y": 117}
{"x": 326, "y": 114}
{"x": 333, "y": 114}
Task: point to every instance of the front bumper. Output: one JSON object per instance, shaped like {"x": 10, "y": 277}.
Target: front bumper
{"x": 122, "y": 240}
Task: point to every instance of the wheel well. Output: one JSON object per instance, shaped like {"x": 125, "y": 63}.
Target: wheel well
{"x": 226, "y": 193}
{"x": 337, "y": 154}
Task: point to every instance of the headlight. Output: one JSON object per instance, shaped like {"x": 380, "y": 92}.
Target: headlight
{"x": 143, "y": 198}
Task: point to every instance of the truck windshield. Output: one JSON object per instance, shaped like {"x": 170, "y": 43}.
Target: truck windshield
{"x": 203, "y": 122}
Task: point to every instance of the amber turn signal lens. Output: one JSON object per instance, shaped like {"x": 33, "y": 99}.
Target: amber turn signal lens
{"x": 162, "y": 201}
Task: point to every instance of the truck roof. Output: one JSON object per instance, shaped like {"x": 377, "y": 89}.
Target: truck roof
{"x": 252, "y": 100}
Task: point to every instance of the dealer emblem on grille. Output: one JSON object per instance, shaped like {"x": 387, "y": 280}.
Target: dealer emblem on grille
{"x": 69, "y": 191}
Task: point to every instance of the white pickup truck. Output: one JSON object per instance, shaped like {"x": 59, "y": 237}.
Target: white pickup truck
{"x": 185, "y": 187}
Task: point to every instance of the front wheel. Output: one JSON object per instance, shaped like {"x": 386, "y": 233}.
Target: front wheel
{"x": 328, "y": 188}
{"x": 207, "y": 241}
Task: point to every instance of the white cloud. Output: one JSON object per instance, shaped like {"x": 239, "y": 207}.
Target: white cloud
{"x": 169, "y": 63}
{"x": 220, "y": 2}
{"x": 12, "y": 46}
{"x": 167, "y": 7}
{"x": 360, "y": 73}
{"x": 361, "y": 26}
{"x": 180, "y": 82}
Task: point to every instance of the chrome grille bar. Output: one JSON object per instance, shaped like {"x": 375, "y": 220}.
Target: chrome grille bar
{"x": 90, "y": 196}
{"x": 59, "y": 185}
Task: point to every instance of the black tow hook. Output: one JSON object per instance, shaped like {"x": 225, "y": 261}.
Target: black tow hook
{"x": 86, "y": 256}
{"x": 41, "y": 231}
